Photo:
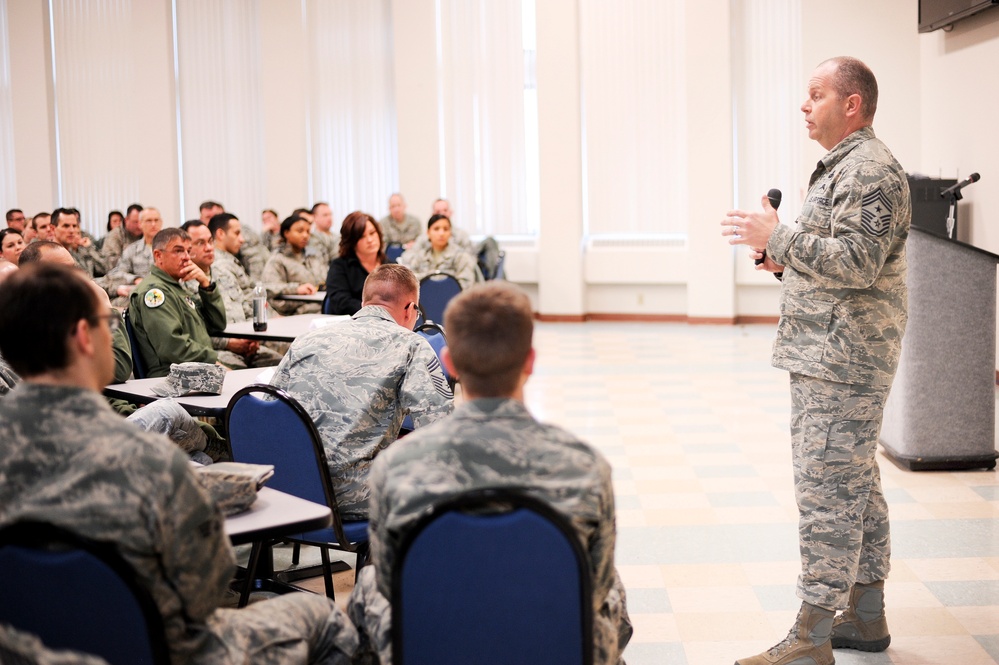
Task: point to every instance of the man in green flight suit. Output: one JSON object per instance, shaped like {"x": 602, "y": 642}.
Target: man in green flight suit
{"x": 171, "y": 326}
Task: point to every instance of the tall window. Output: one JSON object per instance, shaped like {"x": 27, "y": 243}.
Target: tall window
{"x": 634, "y": 117}
{"x": 8, "y": 183}
{"x": 488, "y": 111}
{"x": 768, "y": 90}
{"x": 352, "y": 122}
{"x": 221, "y": 118}
{"x": 96, "y": 110}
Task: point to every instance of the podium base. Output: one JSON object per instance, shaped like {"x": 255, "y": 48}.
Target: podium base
{"x": 922, "y": 463}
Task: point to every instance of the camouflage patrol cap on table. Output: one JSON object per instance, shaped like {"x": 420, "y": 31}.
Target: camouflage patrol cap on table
{"x": 190, "y": 378}
{"x": 232, "y": 485}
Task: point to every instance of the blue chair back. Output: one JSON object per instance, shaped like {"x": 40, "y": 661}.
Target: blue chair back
{"x": 328, "y": 303}
{"x": 77, "y": 594}
{"x": 436, "y": 291}
{"x": 267, "y": 426}
{"x": 434, "y": 334}
{"x": 138, "y": 364}
{"x": 492, "y": 588}
{"x": 393, "y": 251}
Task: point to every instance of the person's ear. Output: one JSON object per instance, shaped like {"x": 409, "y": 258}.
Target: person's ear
{"x": 82, "y": 339}
{"x": 528, "y": 369}
{"x": 448, "y": 362}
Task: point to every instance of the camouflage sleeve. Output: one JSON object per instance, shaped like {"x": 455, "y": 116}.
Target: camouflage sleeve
{"x": 237, "y": 308}
{"x": 275, "y": 278}
{"x": 465, "y": 269}
{"x": 601, "y": 545}
{"x": 425, "y": 393}
{"x": 213, "y": 310}
{"x": 197, "y": 559}
{"x": 382, "y": 550}
{"x": 111, "y": 249}
{"x": 122, "y": 355}
{"x": 846, "y": 246}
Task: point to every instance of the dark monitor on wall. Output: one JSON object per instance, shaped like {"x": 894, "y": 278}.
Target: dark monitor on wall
{"x": 936, "y": 14}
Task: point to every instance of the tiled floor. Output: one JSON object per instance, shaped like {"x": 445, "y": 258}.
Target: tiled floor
{"x": 695, "y": 423}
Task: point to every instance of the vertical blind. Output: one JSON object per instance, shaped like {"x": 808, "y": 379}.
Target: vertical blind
{"x": 8, "y": 182}
{"x": 634, "y": 117}
{"x": 488, "y": 109}
{"x": 220, "y": 104}
{"x": 768, "y": 90}
{"x": 352, "y": 122}
{"x": 95, "y": 105}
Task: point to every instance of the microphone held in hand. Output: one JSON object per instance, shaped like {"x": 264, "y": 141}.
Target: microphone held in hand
{"x": 774, "y": 196}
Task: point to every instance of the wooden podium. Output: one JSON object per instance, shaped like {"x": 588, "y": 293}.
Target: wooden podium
{"x": 941, "y": 411}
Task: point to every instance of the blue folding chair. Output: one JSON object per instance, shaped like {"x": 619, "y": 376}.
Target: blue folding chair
{"x": 492, "y": 577}
{"x": 267, "y": 426}
{"x": 393, "y": 251}
{"x": 138, "y": 364}
{"x": 434, "y": 334}
{"x": 77, "y": 594}
{"x": 436, "y": 291}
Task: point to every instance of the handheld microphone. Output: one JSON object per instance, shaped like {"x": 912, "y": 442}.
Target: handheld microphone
{"x": 774, "y": 196}
{"x": 955, "y": 190}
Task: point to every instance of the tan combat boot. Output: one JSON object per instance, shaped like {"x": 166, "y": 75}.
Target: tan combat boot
{"x": 806, "y": 644}
{"x": 863, "y": 626}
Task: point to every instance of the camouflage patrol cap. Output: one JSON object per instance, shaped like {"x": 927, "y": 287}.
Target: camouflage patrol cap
{"x": 190, "y": 378}
{"x": 233, "y": 486}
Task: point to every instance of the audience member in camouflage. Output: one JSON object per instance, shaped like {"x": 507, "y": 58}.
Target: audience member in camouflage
{"x": 441, "y": 254}
{"x": 358, "y": 379}
{"x": 399, "y": 226}
{"x": 322, "y": 240}
{"x": 843, "y": 313}
{"x": 295, "y": 269}
{"x": 67, "y": 459}
{"x": 491, "y": 441}
{"x": 121, "y": 237}
{"x": 170, "y": 325}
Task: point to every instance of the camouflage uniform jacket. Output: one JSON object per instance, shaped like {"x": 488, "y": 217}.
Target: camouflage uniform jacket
{"x": 254, "y": 254}
{"x": 459, "y": 238}
{"x": 357, "y": 380}
{"x": 171, "y": 326}
{"x": 115, "y": 243}
{"x": 843, "y": 301}
{"x": 404, "y": 232}
{"x": 89, "y": 258}
{"x": 235, "y": 285}
{"x": 286, "y": 271}
{"x": 497, "y": 443}
{"x": 135, "y": 263}
{"x": 423, "y": 261}
{"x": 66, "y": 458}
{"x": 325, "y": 245}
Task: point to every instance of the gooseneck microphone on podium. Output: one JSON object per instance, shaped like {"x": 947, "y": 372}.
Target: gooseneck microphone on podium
{"x": 955, "y": 190}
{"x": 774, "y": 195}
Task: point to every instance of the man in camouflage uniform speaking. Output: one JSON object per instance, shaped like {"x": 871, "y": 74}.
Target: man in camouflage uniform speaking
{"x": 66, "y": 458}
{"x": 491, "y": 441}
{"x": 357, "y": 380}
{"x": 843, "y": 312}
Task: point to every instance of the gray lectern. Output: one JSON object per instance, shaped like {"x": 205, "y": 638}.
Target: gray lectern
{"x": 941, "y": 412}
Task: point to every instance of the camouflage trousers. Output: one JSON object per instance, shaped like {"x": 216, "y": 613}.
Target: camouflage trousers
{"x": 371, "y": 613}
{"x": 843, "y": 516}
{"x": 294, "y": 628}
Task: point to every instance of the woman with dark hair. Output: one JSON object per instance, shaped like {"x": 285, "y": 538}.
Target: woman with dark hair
{"x": 115, "y": 219}
{"x": 441, "y": 255}
{"x": 11, "y": 245}
{"x": 360, "y": 253}
{"x": 293, "y": 270}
